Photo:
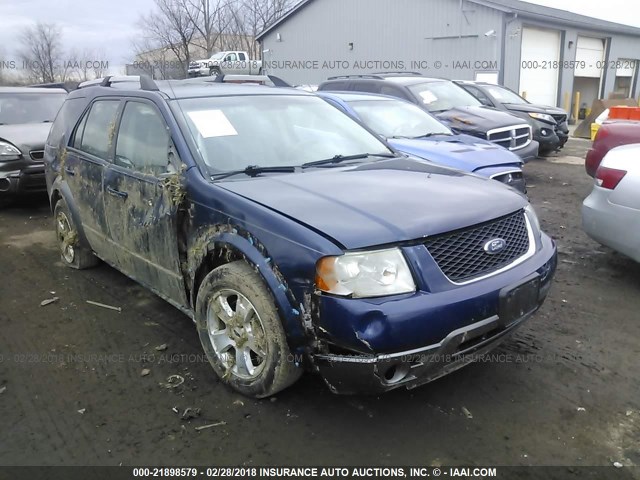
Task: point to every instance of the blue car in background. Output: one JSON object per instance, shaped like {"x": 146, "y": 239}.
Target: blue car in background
{"x": 412, "y": 130}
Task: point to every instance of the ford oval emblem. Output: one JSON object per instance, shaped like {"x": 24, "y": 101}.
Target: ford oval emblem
{"x": 495, "y": 246}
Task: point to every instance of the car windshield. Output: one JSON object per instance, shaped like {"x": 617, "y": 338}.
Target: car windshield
{"x": 217, "y": 56}
{"x": 395, "y": 118}
{"x": 236, "y": 132}
{"x": 504, "y": 95}
{"x": 440, "y": 96}
{"x": 18, "y": 108}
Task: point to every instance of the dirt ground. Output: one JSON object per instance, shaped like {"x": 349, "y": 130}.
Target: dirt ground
{"x": 564, "y": 391}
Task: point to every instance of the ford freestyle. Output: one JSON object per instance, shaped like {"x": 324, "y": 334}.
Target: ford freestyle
{"x": 449, "y": 103}
{"x": 293, "y": 236}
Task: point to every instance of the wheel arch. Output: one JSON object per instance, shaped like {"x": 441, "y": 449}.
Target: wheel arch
{"x": 212, "y": 251}
{"x": 60, "y": 190}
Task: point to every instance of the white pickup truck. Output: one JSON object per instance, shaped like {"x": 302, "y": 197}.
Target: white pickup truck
{"x": 235, "y": 63}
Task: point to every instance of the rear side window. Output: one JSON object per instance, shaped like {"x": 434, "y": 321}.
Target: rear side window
{"x": 96, "y": 135}
{"x": 335, "y": 86}
{"x": 143, "y": 140}
{"x": 368, "y": 87}
{"x": 393, "y": 92}
{"x": 65, "y": 120}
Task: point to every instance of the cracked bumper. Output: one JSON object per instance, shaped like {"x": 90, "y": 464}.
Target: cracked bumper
{"x": 372, "y": 374}
{"x": 410, "y": 369}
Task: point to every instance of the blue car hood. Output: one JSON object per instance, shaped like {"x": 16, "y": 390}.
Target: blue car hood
{"x": 381, "y": 202}
{"x": 463, "y": 152}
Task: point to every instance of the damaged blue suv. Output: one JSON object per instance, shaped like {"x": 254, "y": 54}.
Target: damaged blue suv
{"x": 293, "y": 236}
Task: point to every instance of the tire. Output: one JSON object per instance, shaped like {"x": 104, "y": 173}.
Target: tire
{"x": 73, "y": 254}
{"x": 248, "y": 350}
{"x": 214, "y": 72}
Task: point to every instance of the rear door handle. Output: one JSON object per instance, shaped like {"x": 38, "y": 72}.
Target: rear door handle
{"x": 69, "y": 171}
{"x": 117, "y": 193}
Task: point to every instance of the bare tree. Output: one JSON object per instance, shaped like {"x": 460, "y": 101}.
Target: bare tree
{"x": 253, "y": 16}
{"x": 42, "y": 52}
{"x": 170, "y": 27}
{"x": 211, "y": 19}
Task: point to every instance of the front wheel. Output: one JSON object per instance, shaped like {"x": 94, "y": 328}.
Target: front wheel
{"x": 241, "y": 332}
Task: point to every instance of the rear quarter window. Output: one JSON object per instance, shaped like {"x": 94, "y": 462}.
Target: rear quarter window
{"x": 65, "y": 121}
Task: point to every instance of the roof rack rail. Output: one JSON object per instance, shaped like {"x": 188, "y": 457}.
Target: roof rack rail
{"x": 231, "y": 78}
{"x": 146, "y": 82}
{"x": 370, "y": 76}
{"x": 398, "y": 72}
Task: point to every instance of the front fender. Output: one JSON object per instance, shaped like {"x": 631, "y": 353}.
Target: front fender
{"x": 293, "y": 316}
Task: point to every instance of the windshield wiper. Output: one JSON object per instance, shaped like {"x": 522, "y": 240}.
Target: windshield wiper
{"x": 433, "y": 134}
{"x": 254, "y": 171}
{"x": 345, "y": 158}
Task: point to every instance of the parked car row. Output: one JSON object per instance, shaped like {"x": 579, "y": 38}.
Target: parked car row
{"x": 293, "y": 235}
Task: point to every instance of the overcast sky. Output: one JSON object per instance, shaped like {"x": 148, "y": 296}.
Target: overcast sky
{"x": 111, "y": 25}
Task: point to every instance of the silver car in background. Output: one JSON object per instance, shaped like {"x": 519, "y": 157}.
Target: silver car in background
{"x": 611, "y": 213}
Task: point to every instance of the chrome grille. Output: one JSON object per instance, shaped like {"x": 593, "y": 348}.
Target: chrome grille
{"x": 512, "y": 138}
{"x": 461, "y": 254}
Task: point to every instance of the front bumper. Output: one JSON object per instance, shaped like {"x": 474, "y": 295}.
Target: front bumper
{"x": 198, "y": 72}
{"x": 614, "y": 226}
{"x": 17, "y": 180}
{"x": 419, "y": 338}
{"x": 550, "y": 138}
{"x": 530, "y": 152}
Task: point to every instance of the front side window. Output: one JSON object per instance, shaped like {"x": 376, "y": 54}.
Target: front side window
{"x": 232, "y": 133}
{"x": 96, "y": 131}
{"x": 143, "y": 140}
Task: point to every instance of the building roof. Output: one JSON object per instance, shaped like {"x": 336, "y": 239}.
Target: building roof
{"x": 524, "y": 9}
{"x": 540, "y": 12}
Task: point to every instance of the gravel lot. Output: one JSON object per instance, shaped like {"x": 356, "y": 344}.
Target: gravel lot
{"x": 564, "y": 390}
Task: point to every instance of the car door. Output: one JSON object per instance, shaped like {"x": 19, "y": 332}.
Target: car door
{"x": 141, "y": 202}
{"x": 83, "y": 167}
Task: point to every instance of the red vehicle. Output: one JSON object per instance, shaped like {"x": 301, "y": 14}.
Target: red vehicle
{"x": 610, "y": 135}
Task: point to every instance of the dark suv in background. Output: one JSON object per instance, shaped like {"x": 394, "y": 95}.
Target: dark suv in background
{"x": 550, "y": 128}
{"x": 451, "y": 104}
{"x": 26, "y": 115}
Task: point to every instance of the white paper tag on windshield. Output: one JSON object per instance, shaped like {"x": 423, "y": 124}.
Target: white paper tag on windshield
{"x": 428, "y": 97}
{"x": 212, "y": 123}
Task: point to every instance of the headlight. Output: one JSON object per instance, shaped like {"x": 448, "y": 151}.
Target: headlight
{"x": 533, "y": 219}
{"x": 543, "y": 116}
{"x": 8, "y": 151}
{"x": 365, "y": 274}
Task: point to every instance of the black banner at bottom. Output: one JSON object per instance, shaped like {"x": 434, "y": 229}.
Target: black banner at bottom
{"x": 322, "y": 473}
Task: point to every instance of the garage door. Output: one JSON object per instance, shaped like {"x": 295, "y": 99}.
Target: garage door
{"x": 591, "y": 52}
{"x": 538, "y": 78}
